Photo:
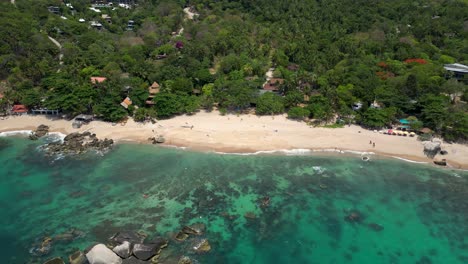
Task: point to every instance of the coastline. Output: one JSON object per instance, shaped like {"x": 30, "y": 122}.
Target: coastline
{"x": 250, "y": 135}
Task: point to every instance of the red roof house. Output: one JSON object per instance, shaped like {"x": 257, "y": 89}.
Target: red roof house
{"x": 95, "y": 80}
{"x": 273, "y": 84}
{"x": 19, "y": 109}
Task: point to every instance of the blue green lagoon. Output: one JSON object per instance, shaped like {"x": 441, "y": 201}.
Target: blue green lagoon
{"x": 314, "y": 208}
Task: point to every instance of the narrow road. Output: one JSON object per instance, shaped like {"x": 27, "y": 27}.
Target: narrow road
{"x": 56, "y": 43}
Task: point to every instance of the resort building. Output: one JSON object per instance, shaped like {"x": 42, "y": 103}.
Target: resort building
{"x": 273, "y": 85}
{"x": 458, "y": 71}
{"x": 19, "y": 110}
{"x": 154, "y": 89}
{"x": 126, "y": 102}
{"x": 96, "y": 80}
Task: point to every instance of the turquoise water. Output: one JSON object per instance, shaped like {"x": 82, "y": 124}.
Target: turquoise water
{"x": 423, "y": 210}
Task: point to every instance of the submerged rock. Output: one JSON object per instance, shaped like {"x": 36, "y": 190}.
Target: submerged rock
{"x": 77, "y": 258}
{"x": 354, "y": 216}
{"x": 202, "y": 247}
{"x": 133, "y": 260}
{"x": 375, "y": 227}
{"x": 55, "y": 261}
{"x": 100, "y": 254}
{"x": 148, "y": 250}
{"x": 130, "y": 236}
{"x": 124, "y": 250}
{"x": 76, "y": 143}
{"x": 181, "y": 236}
{"x": 184, "y": 260}
{"x": 250, "y": 215}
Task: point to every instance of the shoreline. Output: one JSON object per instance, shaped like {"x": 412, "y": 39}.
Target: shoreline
{"x": 280, "y": 152}
{"x": 250, "y": 135}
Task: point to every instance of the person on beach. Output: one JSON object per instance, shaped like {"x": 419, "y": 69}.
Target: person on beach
{"x": 373, "y": 144}
{"x": 370, "y": 142}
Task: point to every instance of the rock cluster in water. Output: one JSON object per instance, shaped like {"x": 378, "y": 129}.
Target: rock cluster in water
{"x": 40, "y": 131}
{"x": 130, "y": 247}
{"x": 77, "y": 143}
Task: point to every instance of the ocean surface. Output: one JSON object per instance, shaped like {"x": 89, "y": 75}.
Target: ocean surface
{"x": 314, "y": 208}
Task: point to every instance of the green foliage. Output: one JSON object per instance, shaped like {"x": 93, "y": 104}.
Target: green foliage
{"x": 269, "y": 104}
{"x": 320, "y": 108}
{"x": 377, "y": 118}
{"x": 347, "y": 52}
{"x": 293, "y": 98}
{"x": 298, "y": 113}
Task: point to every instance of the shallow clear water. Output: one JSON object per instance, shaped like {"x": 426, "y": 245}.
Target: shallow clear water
{"x": 423, "y": 210}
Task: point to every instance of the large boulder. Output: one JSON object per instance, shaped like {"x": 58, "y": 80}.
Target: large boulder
{"x": 54, "y": 261}
{"x": 100, "y": 254}
{"x": 40, "y": 131}
{"x": 202, "y": 246}
{"x": 124, "y": 250}
{"x": 431, "y": 148}
{"x": 148, "y": 250}
{"x": 77, "y": 258}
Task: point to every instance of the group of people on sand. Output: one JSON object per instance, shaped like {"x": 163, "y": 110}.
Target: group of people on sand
{"x": 372, "y": 143}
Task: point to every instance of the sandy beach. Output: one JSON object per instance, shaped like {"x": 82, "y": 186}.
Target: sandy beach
{"x": 248, "y": 133}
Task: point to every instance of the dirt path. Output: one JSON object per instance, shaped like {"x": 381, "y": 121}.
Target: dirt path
{"x": 56, "y": 43}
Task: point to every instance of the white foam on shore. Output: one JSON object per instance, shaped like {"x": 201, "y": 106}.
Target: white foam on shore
{"x": 408, "y": 160}
{"x": 55, "y": 136}
{"x": 15, "y": 133}
{"x": 288, "y": 152}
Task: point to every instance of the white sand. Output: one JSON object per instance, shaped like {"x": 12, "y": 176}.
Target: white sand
{"x": 249, "y": 133}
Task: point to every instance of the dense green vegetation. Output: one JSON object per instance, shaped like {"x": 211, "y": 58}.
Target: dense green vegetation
{"x": 331, "y": 54}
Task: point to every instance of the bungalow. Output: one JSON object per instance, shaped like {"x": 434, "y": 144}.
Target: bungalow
{"x": 96, "y": 25}
{"x": 107, "y": 18}
{"x": 96, "y": 80}
{"x": 54, "y": 9}
{"x": 356, "y": 106}
{"x": 273, "y": 85}
{"x": 153, "y": 90}
{"x": 19, "y": 109}
{"x": 376, "y": 105}
{"x": 126, "y": 102}
{"x": 458, "y": 70}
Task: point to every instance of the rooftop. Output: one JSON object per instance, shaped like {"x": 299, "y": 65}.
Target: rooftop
{"x": 95, "y": 80}
{"x": 456, "y": 67}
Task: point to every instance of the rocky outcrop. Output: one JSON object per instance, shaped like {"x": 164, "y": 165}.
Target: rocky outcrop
{"x": 100, "y": 254}
{"x": 184, "y": 260}
{"x": 157, "y": 140}
{"x": 40, "y": 131}
{"x": 124, "y": 250}
{"x": 442, "y": 162}
{"x": 431, "y": 148}
{"x": 148, "y": 250}
{"x": 54, "y": 261}
{"x": 76, "y": 143}
{"x": 202, "y": 247}
{"x": 77, "y": 258}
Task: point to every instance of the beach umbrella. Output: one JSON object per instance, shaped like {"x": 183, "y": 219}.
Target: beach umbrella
{"x": 405, "y": 133}
{"x": 412, "y": 134}
{"x": 390, "y": 132}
